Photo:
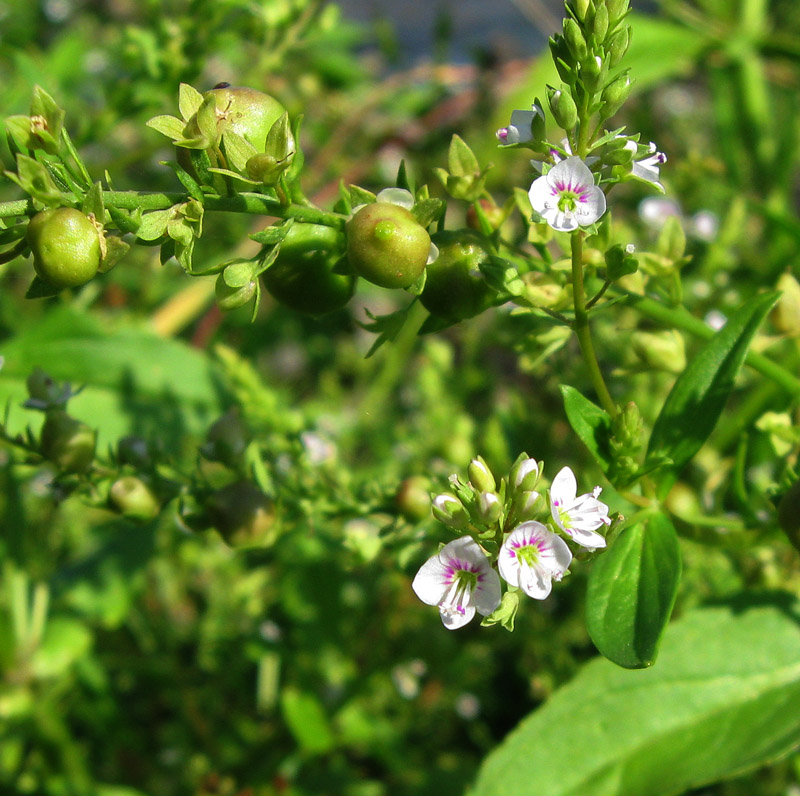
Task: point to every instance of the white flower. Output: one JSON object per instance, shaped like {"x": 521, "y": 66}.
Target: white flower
{"x": 566, "y": 197}
{"x": 532, "y": 557}
{"x": 579, "y": 517}
{"x": 460, "y": 581}
{"x": 647, "y": 168}
{"x": 520, "y": 129}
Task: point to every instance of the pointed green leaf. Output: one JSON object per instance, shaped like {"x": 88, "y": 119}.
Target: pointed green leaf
{"x": 591, "y": 423}
{"x": 631, "y": 592}
{"x": 698, "y": 397}
{"x": 724, "y": 698}
{"x": 189, "y": 101}
{"x": 93, "y": 203}
{"x": 169, "y": 126}
{"x": 461, "y": 160}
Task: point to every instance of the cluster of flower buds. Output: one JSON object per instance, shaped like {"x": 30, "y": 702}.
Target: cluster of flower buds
{"x": 508, "y": 524}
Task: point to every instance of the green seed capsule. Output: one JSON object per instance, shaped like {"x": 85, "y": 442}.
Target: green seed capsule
{"x": 132, "y": 498}
{"x": 65, "y": 246}
{"x": 67, "y": 442}
{"x": 386, "y": 245}
{"x": 243, "y": 515}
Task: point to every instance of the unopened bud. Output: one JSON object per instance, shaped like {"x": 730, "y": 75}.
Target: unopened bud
{"x": 450, "y": 511}
{"x": 618, "y": 46}
{"x": 563, "y": 108}
{"x": 481, "y": 476}
{"x": 132, "y": 498}
{"x": 615, "y": 94}
{"x": 524, "y": 475}
{"x": 413, "y": 498}
{"x": 489, "y": 507}
{"x": 227, "y": 439}
{"x": 600, "y": 23}
{"x": 786, "y": 315}
{"x": 67, "y": 442}
{"x": 574, "y": 39}
{"x": 524, "y": 505}
{"x": 582, "y": 8}
{"x": 592, "y": 72}
{"x": 628, "y": 426}
{"x": 616, "y": 10}
{"x": 660, "y": 350}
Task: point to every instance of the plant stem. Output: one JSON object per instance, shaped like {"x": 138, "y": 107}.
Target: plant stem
{"x": 250, "y": 203}
{"x": 581, "y": 327}
{"x": 679, "y": 318}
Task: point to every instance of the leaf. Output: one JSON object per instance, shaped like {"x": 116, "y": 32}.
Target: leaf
{"x": 35, "y": 180}
{"x": 169, "y": 126}
{"x": 189, "y": 101}
{"x": 93, "y": 203}
{"x": 387, "y": 327}
{"x": 591, "y": 423}
{"x": 461, "y": 160}
{"x": 65, "y": 641}
{"x": 698, "y": 397}
{"x": 307, "y": 721}
{"x": 631, "y": 592}
{"x": 41, "y": 289}
{"x": 723, "y": 699}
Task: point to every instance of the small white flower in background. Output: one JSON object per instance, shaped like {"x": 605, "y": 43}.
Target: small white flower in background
{"x": 578, "y": 516}
{"x": 519, "y": 131}
{"x": 460, "y": 580}
{"x": 704, "y": 225}
{"x": 655, "y": 210}
{"x": 532, "y": 557}
{"x": 647, "y": 168}
{"x": 566, "y": 197}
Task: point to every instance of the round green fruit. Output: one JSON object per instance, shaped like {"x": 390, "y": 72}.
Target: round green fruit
{"x": 67, "y": 442}
{"x": 243, "y": 515}
{"x": 455, "y": 288}
{"x": 65, "y": 246}
{"x": 247, "y": 112}
{"x": 387, "y": 245}
{"x": 305, "y": 282}
{"x": 133, "y": 498}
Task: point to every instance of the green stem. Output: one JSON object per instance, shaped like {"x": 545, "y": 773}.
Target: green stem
{"x": 581, "y": 327}
{"x": 249, "y": 203}
{"x": 679, "y": 318}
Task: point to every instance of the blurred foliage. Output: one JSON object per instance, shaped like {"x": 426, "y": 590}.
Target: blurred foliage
{"x": 151, "y": 658}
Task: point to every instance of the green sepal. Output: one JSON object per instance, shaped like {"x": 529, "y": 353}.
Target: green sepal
{"x": 41, "y": 289}
{"x": 170, "y": 126}
{"x": 506, "y": 612}
{"x": 116, "y": 249}
{"x": 189, "y": 101}
{"x": 36, "y": 181}
{"x": 427, "y": 211}
{"x": 93, "y": 203}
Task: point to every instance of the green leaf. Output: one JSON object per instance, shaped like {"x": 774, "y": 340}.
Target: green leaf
{"x": 35, "y": 180}
{"x": 189, "y": 101}
{"x": 698, "y": 397}
{"x": 723, "y": 699}
{"x": 307, "y": 721}
{"x": 631, "y": 592}
{"x": 93, "y": 203}
{"x": 591, "y": 423}
{"x": 461, "y": 160}
{"x": 65, "y": 641}
{"x": 169, "y": 126}
{"x": 41, "y": 289}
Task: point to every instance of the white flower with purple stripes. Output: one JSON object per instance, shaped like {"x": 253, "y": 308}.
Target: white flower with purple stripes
{"x": 532, "y": 558}
{"x": 460, "y": 580}
{"x": 578, "y": 516}
{"x": 566, "y": 197}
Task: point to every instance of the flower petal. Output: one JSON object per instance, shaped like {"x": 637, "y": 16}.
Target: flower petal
{"x": 571, "y": 171}
{"x": 588, "y": 539}
{"x": 564, "y": 488}
{"x": 396, "y": 196}
{"x": 431, "y": 581}
{"x": 557, "y": 557}
{"x": 487, "y": 594}
{"x": 453, "y": 620}
{"x": 535, "y": 581}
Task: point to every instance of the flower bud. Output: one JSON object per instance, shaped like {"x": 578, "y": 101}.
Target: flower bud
{"x": 45, "y": 392}
{"x": 243, "y": 515}
{"x": 582, "y": 9}
{"x": 574, "y": 39}
{"x": 628, "y": 426}
{"x": 524, "y": 505}
{"x": 135, "y": 451}
{"x": 789, "y": 514}
{"x": 226, "y": 440}
{"x": 592, "y": 72}
{"x": 413, "y": 498}
{"x": 449, "y": 510}
{"x": 618, "y": 46}
{"x": 524, "y": 475}
{"x": 616, "y": 10}
{"x": 663, "y": 350}
{"x": 480, "y": 476}
{"x": 267, "y": 168}
{"x": 563, "y": 108}
{"x": 132, "y": 498}
{"x": 600, "y": 23}
{"x": 231, "y": 297}
{"x": 786, "y": 315}
{"x": 67, "y": 442}
{"x": 615, "y": 94}
{"x": 489, "y": 507}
